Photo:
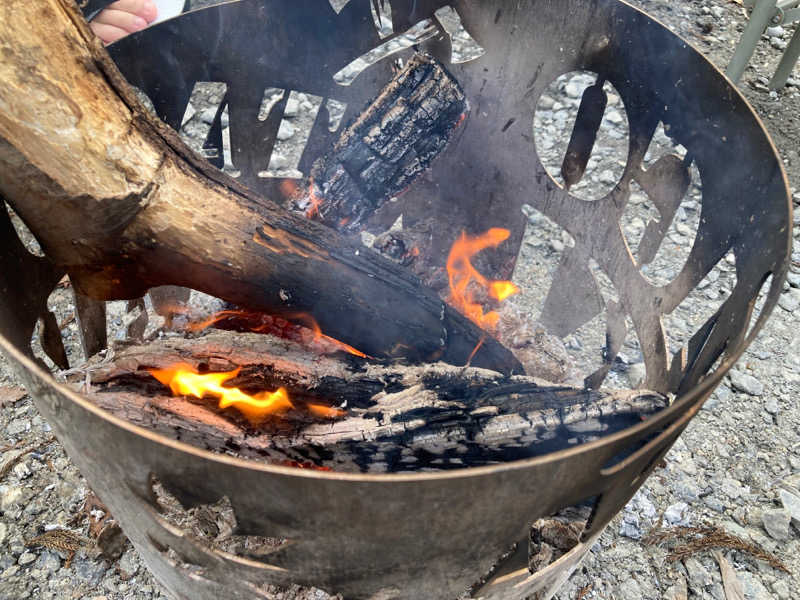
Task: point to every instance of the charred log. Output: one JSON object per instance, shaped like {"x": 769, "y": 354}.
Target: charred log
{"x": 396, "y": 418}
{"x": 388, "y": 146}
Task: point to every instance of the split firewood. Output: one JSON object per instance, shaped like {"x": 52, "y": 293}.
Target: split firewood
{"x": 391, "y": 143}
{"x": 385, "y": 417}
{"x": 118, "y": 200}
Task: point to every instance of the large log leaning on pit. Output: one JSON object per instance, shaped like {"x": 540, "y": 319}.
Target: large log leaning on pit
{"x": 123, "y": 205}
{"x": 397, "y": 418}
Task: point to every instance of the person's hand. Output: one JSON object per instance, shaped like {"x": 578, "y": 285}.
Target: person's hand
{"x": 122, "y": 18}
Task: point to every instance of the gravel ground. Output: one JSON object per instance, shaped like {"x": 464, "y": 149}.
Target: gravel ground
{"x": 737, "y": 467}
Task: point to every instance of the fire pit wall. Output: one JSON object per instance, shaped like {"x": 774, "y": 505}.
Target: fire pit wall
{"x": 436, "y": 535}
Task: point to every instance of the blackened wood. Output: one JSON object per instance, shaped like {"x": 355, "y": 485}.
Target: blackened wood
{"x": 397, "y": 418}
{"x": 391, "y": 143}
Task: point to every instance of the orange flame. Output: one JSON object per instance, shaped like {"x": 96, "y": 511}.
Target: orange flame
{"x": 462, "y": 273}
{"x": 314, "y": 199}
{"x": 312, "y": 324}
{"x": 184, "y": 380}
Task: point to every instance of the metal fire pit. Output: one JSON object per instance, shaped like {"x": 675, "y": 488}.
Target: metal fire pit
{"x": 436, "y": 535}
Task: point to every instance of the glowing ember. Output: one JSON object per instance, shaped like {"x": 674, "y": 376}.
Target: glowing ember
{"x": 184, "y": 380}
{"x": 315, "y": 200}
{"x": 312, "y": 324}
{"x": 258, "y": 323}
{"x": 463, "y": 274}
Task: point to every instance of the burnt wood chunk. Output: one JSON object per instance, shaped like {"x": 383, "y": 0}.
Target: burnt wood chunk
{"x": 392, "y": 142}
{"x": 394, "y": 418}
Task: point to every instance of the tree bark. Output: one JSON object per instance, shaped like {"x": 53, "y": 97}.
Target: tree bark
{"x": 116, "y": 199}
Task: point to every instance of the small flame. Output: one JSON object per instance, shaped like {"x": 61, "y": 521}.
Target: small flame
{"x": 315, "y": 200}
{"x": 184, "y": 380}
{"x": 462, "y": 273}
{"x": 215, "y": 318}
{"x": 500, "y": 290}
{"x": 305, "y": 318}
{"x": 312, "y": 324}
{"x": 325, "y": 412}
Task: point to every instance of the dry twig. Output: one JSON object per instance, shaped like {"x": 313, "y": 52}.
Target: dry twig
{"x": 60, "y": 539}
{"x": 583, "y": 592}
{"x": 706, "y": 538}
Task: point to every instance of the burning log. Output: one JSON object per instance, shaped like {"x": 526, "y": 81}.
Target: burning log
{"x": 117, "y": 200}
{"x": 380, "y": 418}
{"x": 388, "y": 145}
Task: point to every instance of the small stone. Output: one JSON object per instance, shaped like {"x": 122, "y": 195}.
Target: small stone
{"x": 49, "y": 561}
{"x": 771, "y": 405}
{"x": 777, "y": 43}
{"x": 732, "y": 488}
{"x": 574, "y": 89}
{"x": 128, "y": 564}
{"x": 278, "y": 161}
{"x": 88, "y": 570}
{"x": 3, "y": 532}
{"x": 699, "y": 577}
{"x": 614, "y": 116}
{"x": 557, "y": 245}
{"x": 607, "y": 177}
{"x": 776, "y": 522}
{"x": 687, "y": 489}
{"x": 21, "y": 470}
{"x": 630, "y": 526}
{"x": 781, "y": 589}
{"x": 753, "y": 588}
{"x": 27, "y": 558}
{"x": 18, "y": 426}
{"x": 776, "y": 31}
{"x": 746, "y": 383}
{"x": 790, "y": 300}
{"x": 677, "y": 514}
{"x": 790, "y": 501}
{"x": 9, "y": 496}
{"x": 630, "y": 590}
{"x": 292, "y": 108}
{"x": 9, "y": 572}
{"x": 207, "y": 114}
{"x": 793, "y": 279}
{"x": 546, "y": 102}
{"x": 677, "y": 591}
{"x": 285, "y": 131}
{"x": 717, "y": 11}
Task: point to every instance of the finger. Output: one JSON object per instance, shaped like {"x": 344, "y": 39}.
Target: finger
{"x": 107, "y": 33}
{"x": 121, "y": 20}
{"x": 146, "y": 9}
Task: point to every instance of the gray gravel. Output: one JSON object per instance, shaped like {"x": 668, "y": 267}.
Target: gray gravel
{"x": 736, "y": 467}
